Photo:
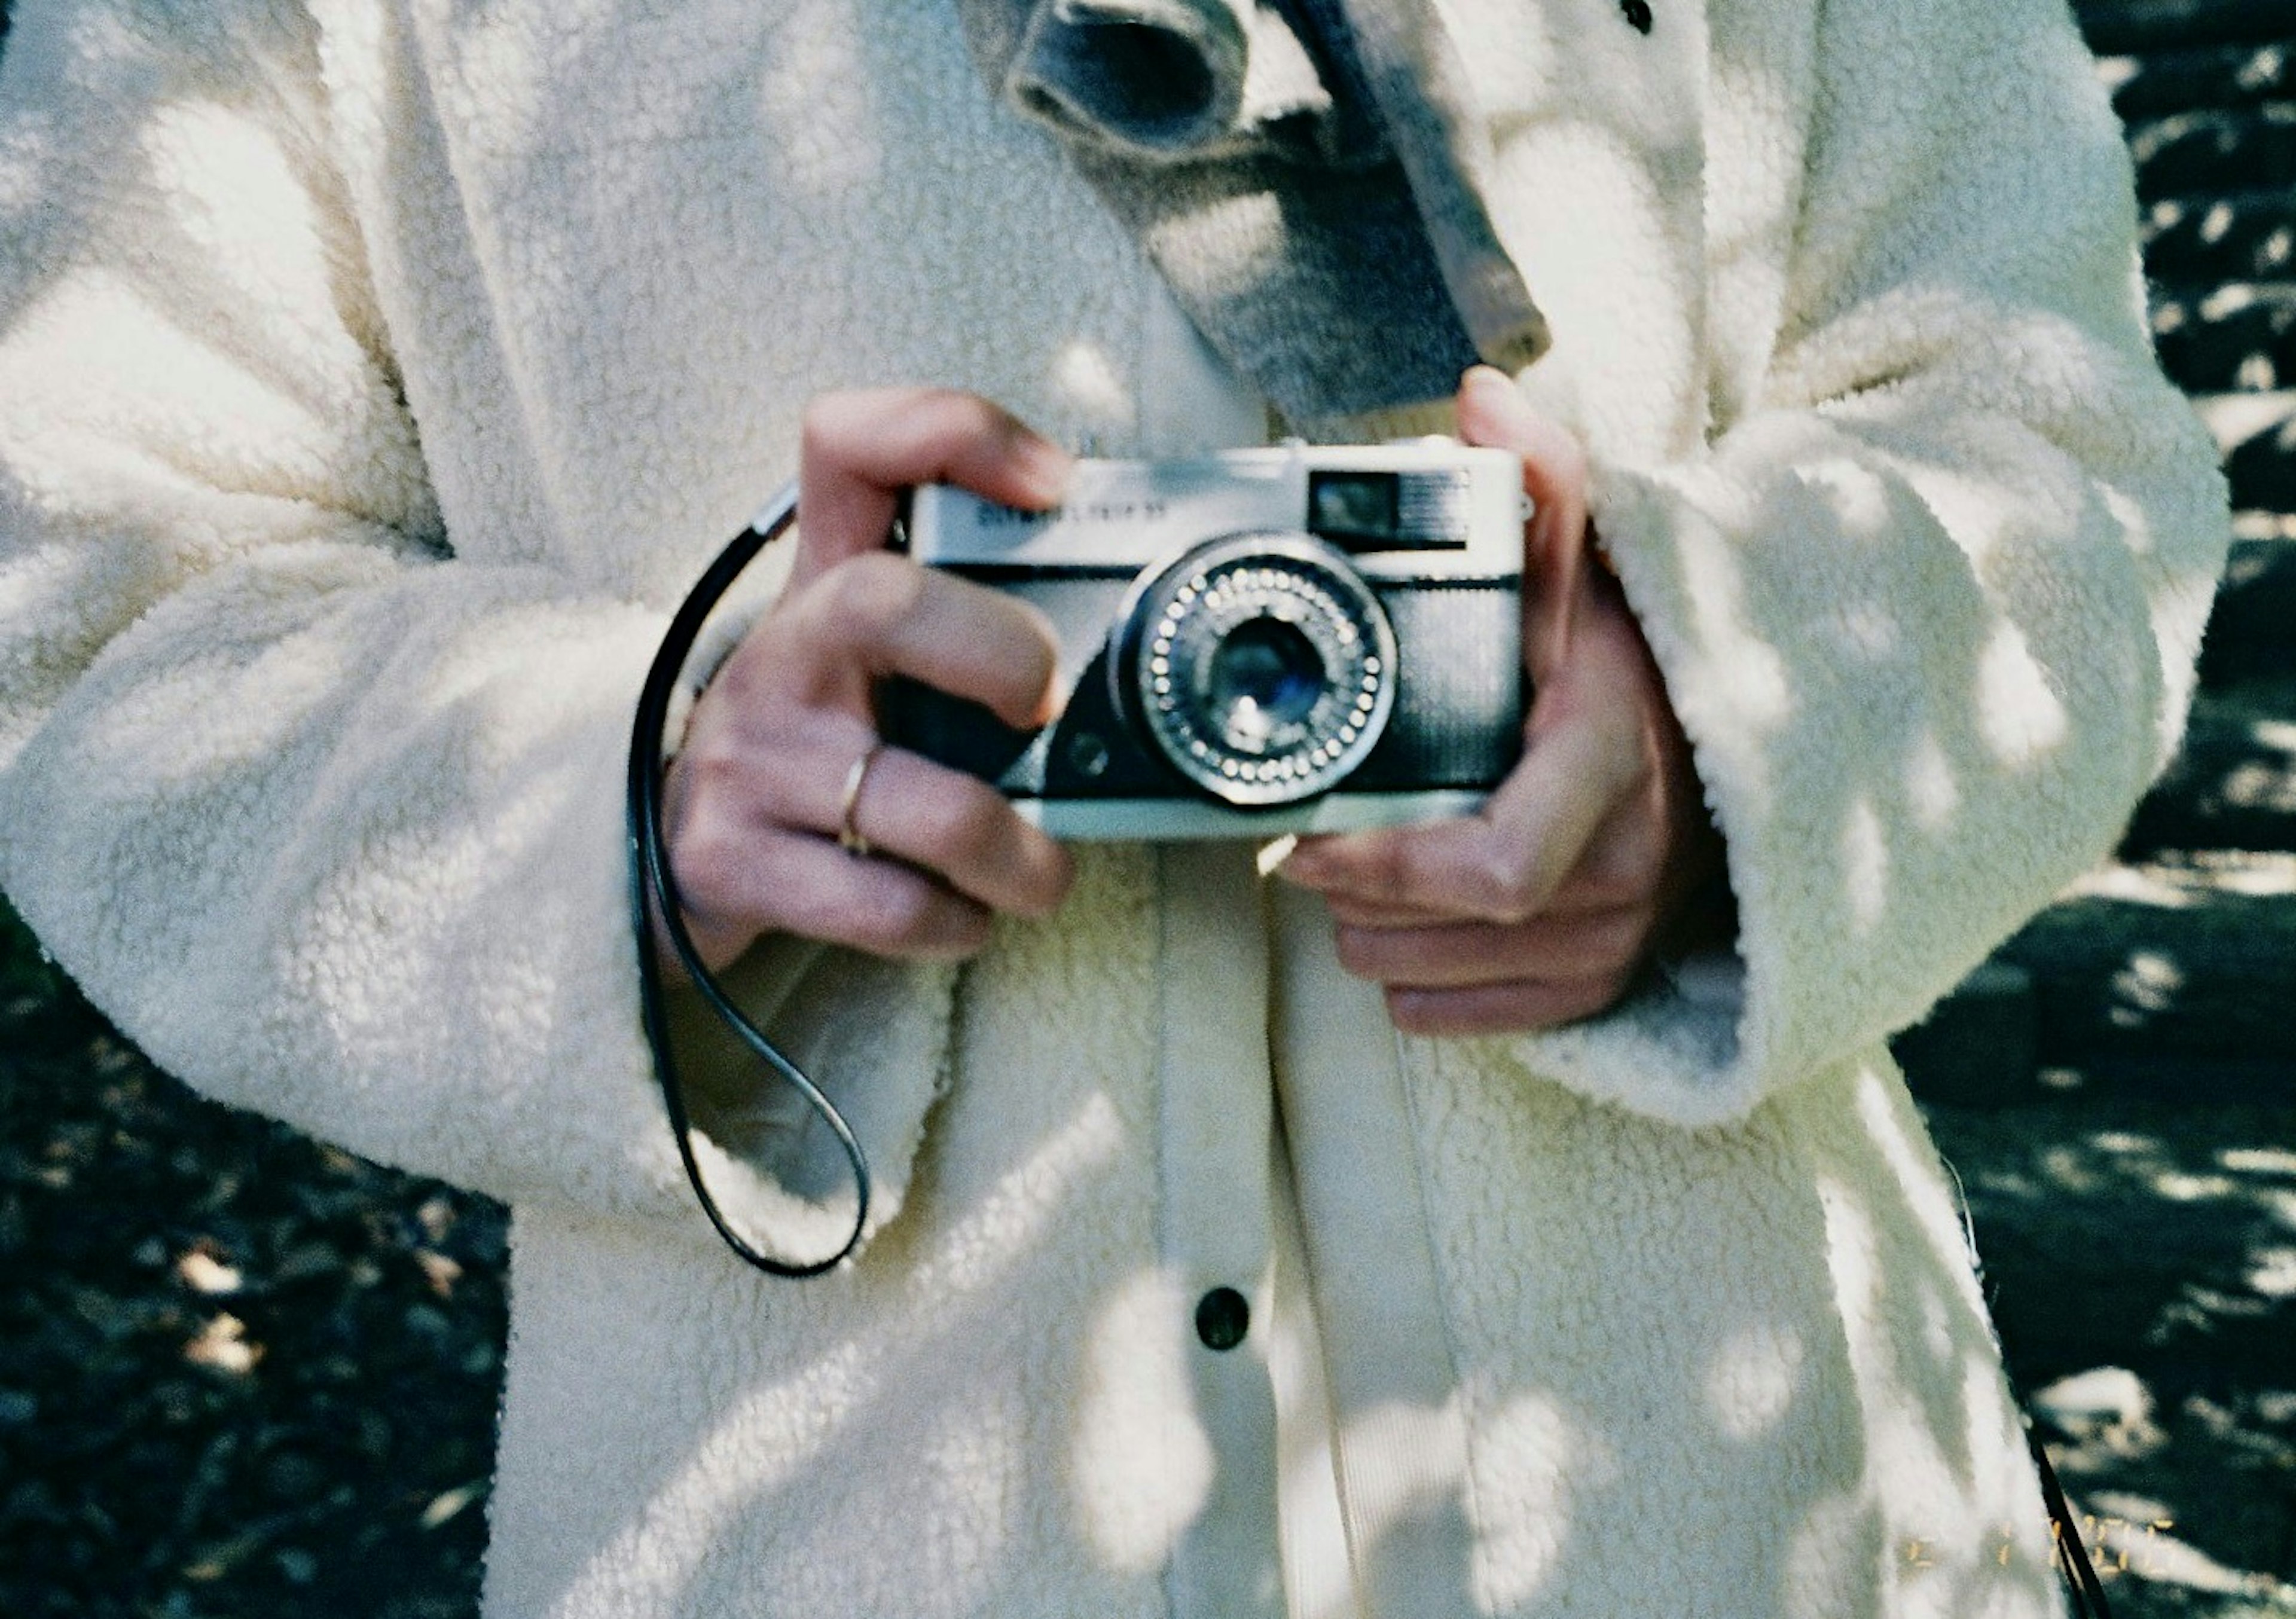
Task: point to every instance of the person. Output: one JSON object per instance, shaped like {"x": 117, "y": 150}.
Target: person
{"x": 1431, "y": 1229}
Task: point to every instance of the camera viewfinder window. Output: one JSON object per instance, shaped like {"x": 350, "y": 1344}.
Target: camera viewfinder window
{"x": 1371, "y": 511}
{"x": 1357, "y": 507}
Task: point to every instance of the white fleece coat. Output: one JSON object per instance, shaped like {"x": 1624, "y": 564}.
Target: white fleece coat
{"x": 374, "y": 374}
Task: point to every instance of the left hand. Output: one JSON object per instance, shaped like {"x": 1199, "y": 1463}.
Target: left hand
{"x": 1543, "y": 906}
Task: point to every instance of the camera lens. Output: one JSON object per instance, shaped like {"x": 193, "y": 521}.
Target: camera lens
{"x": 1261, "y": 665}
{"x": 1265, "y": 676}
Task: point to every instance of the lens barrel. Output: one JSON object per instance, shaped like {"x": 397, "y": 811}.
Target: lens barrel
{"x": 1260, "y": 665}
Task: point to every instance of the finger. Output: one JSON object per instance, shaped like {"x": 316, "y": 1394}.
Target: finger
{"x": 1576, "y": 898}
{"x": 1502, "y": 864}
{"x": 1601, "y": 946}
{"x": 1353, "y": 912}
{"x": 786, "y": 881}
{"x": 876, "y": 615}
{"x": 793, "y": 779}
{"x": 1492, "y": 411}
{"x": 962, "y": 829}
{"x": 1500, "y": 1009}
{"x": 862, "y": 447}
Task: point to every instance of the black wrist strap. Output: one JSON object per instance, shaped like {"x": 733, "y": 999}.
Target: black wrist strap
{"x": 2081, "y": 1582}
{"x": 654, "y": 899}
{"x": 2072, "y": 1556}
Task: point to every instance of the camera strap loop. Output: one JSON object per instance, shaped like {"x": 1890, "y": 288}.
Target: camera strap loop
{"x": 654, "y": 899}
{"x": 2080, "y": 1577}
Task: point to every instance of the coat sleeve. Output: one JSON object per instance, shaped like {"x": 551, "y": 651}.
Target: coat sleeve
{"x": 322, "y": 804}
{"x": 1928, "y": 608}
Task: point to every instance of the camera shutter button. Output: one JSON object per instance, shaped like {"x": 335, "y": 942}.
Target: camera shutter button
{"x": 1223, "y": 1317}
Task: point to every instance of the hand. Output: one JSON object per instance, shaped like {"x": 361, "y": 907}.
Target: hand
{"x": 755, "y": 799}
{"x": 1542, "y": 907}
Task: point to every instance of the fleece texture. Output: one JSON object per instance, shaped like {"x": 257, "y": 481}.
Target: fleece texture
{"x": 375, "y": 376}
{"x": 1308, "y": 183}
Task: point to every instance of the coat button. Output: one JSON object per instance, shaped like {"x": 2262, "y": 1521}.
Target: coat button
{"x": 1222, "y": 1318}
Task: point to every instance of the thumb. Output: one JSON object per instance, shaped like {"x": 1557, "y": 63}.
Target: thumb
{"x": 1492, "y": 413}
{"x": 863, "y": 447}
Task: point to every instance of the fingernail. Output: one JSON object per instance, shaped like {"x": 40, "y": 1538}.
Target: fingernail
{"x": 1045, "y": 467}
{"x": 1299, "y": 864}
{"x": 1495, "y": 391}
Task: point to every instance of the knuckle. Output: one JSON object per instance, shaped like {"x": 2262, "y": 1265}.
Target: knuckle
{"x": 1384, "y": 872}
{"x": 973, "y": 830}
{"x": 961, "y": 413}
{"x": 834, "y": 419}
{"x": 1599, "y": 996}
{"x": 1060, "y": 877}
{"x": 1042, "y": 871}
{"x": 1037, "y": 646}
{"x": 965, "y": 934}
{"x": 934, "y": 426}
{"x": 1604, "y": 883}
{"x": 1624, "y": 868}
{"x": 872, "y": 591}
{"x": 1587, "y": 997}
{"x": 1414, "y": 1013}
{"x": 695, "y": 780}
{"x": 706, "y": 863}
{"x": 711, "y": 768}
{"x": 899, "y": 912}
{"x": 825, "y": 428}
{"x": 879, "y": 913}
{"x": 975, "y": 416}
{"x": 817, "y": 429}
{"x": 917, "y": 922}
{"x": 1505, "y": 890}
{"x": 1619, "y": 942}
{"x": 878, "y": 903}
{"x": 733, "y": 685}
{"x": 1027, "y": 644}
{"x": 1358, "y": 951}
{"x": 727, "y": 785}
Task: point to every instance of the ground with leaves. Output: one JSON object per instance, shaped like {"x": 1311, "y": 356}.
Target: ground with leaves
{"x": 240, "y": 1373}
{"x": 244, "y": 1374}
{"x": 2142, "y": 1253}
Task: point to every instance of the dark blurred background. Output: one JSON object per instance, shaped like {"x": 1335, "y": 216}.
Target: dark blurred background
{"x": 244, "y": 1373}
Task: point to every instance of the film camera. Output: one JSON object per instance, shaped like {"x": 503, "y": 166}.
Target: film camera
{"x": 1294, "y": 639}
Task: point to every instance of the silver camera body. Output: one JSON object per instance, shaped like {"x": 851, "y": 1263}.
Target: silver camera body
{"x": 1287, "y": 640}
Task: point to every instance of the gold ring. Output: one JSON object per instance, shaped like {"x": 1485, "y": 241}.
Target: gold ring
{"x": 848, "y": 836}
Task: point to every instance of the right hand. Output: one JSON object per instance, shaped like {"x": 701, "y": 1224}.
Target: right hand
{"x": 753, "y": 799}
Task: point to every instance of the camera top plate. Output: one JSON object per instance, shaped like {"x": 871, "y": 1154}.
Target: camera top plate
{"x": 1424, "y": 510}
